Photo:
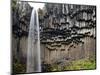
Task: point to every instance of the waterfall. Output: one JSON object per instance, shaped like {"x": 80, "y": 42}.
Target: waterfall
{"x": 33, "y": 50}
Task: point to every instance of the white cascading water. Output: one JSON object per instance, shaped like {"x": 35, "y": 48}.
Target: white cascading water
{"x": 33, "y": 51}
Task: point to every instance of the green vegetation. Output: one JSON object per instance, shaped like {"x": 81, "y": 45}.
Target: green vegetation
{"x": 82, "y": 64}
{"x": 13, "y": 4}
{"x": 18, "y": 67}
{"x": 55, "y": 68}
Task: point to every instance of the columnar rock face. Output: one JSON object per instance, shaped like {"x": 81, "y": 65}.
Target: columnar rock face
{"x": 20, "y": 27}
{"x": 67, "y": 32}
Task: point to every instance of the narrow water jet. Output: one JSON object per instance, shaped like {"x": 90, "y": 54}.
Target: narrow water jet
{"x": 33, "y": 50}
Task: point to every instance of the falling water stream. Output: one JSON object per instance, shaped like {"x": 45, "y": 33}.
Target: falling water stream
{"x": 33, "y": 51}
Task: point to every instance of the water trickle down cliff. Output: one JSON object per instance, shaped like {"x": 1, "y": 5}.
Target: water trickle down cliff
{"x": 67, "y": 32}
{"x": 33, "y": 52}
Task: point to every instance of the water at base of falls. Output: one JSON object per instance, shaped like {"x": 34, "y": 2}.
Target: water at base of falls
{"x": 33, "y": 51}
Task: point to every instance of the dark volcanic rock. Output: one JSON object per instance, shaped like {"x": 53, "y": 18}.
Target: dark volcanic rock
{"x": 67, "y": 25}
